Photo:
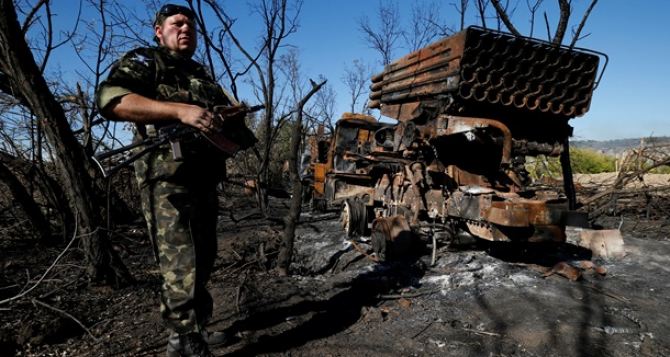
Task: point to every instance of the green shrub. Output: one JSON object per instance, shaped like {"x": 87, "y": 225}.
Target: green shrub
{"x": 543, "y": 167}
{"x": 587, "y": 161}
{"x": 583, "y": 161}
{"x": 665, "y": 169}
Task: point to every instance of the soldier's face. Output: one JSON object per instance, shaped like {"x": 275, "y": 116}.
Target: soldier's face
{"x": 177, "y": 33}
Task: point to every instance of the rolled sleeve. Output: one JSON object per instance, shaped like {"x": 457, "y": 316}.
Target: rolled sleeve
{"x": 107, "y": 94}
{"x": 133, "y": 73}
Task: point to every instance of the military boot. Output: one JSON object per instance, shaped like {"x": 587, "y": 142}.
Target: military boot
{"x": 211, "y": 338}
{"x": 187, "y": 345}
{"x": 214, "y": 338}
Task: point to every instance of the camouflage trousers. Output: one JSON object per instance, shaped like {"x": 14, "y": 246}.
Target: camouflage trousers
{"x": 181, "y": 208}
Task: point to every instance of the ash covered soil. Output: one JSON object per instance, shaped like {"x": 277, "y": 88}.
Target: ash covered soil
{"x": 477, "y": 300}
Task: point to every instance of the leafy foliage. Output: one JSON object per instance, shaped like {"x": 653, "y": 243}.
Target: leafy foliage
{"x": 582, "y": 160}
{"x": 586, "y": 161}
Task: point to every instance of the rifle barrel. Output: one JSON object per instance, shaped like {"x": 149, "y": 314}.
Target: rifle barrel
{"x": 106, "y": 154}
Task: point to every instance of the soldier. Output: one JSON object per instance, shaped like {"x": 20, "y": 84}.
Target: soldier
{"x": 155, "y": 87}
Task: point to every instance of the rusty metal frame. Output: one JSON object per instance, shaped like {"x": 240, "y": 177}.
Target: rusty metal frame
{"x": 485, "y": 91}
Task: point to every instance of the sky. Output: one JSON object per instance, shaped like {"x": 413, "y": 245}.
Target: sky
{"x": 628, "y": 103}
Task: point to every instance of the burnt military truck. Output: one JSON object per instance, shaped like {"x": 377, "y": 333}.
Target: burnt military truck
{"x": 470, "y": 109}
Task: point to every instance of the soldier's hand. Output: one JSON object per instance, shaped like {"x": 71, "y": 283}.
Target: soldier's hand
{"x": 197, "y": 117}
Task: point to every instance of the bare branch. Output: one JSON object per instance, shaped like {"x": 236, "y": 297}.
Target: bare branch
{"x": 546, "y": 22}
{"x": 505, "y": 18}
{"x": 290, "y": 221}
{"x": 227, "y": 24}
{"x": 424, "y": 26}
{"x": 356, "y": 78}
{"x": 202, "y": 28}
{"x": 325, "y": 102}
{"x": 29, "y": 18}
{"x": 50, "y": 37}
{"x": 383, "y": 39}
{"x": 565, "y": 10}
{"x": 575, "y": 36}
{"x": 481, "y": 8}
{"x": 462, "y": 9}
{"x": 35, "y": 301}
{"x": 533, "y": 9}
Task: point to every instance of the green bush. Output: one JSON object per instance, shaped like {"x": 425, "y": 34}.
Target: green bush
{"x": 587, "y": 161}
{"x": 583, "y": 161}
{"x": 665, "y": 169}
{"x": 543, "y": 167}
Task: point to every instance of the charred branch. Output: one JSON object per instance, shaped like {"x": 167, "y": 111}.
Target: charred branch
{"x": 630, "y": 189}
{"x": 291, "y": 220}
{"x": 577, "y": 34}
{"x": 383, "y": 39}
{"x": 25, "y": 200}
{"x": 565, "y": 9}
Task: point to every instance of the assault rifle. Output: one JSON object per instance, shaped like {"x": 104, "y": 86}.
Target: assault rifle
{"x": 229, "y": 135}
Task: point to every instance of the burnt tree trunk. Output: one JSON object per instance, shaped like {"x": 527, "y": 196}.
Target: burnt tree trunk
{"x": 51, "y": 191}
{"x": 40, "y": 225}
{"x": 25, "y": 78}
{"x": 291, "y": 220}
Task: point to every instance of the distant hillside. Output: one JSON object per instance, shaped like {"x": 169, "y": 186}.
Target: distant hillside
{"x": 614, "y": 147}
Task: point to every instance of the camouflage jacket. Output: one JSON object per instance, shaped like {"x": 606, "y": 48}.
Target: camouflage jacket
{"x": 155, "y": 73}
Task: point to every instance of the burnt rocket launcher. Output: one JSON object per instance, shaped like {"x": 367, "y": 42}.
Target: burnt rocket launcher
{"x": 471, "y": 109}
{"x": 480, "y": 72}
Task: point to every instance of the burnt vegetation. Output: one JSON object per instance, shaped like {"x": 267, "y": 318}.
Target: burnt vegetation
{"x": 77, "y": 271}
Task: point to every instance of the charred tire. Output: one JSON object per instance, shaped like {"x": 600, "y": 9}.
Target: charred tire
{"x": 346, "y": 217}
{"x": 354, "y": 217}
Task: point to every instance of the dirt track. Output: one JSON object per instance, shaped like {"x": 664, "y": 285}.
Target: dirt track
{"x": 475, "y": 301}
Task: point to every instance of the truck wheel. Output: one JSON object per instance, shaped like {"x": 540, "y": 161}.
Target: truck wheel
{"x": 354, "y": 217}
{"x": 348, "y": 217}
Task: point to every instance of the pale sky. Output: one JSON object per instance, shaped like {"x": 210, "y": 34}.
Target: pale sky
{"x": 630, "y": 101}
